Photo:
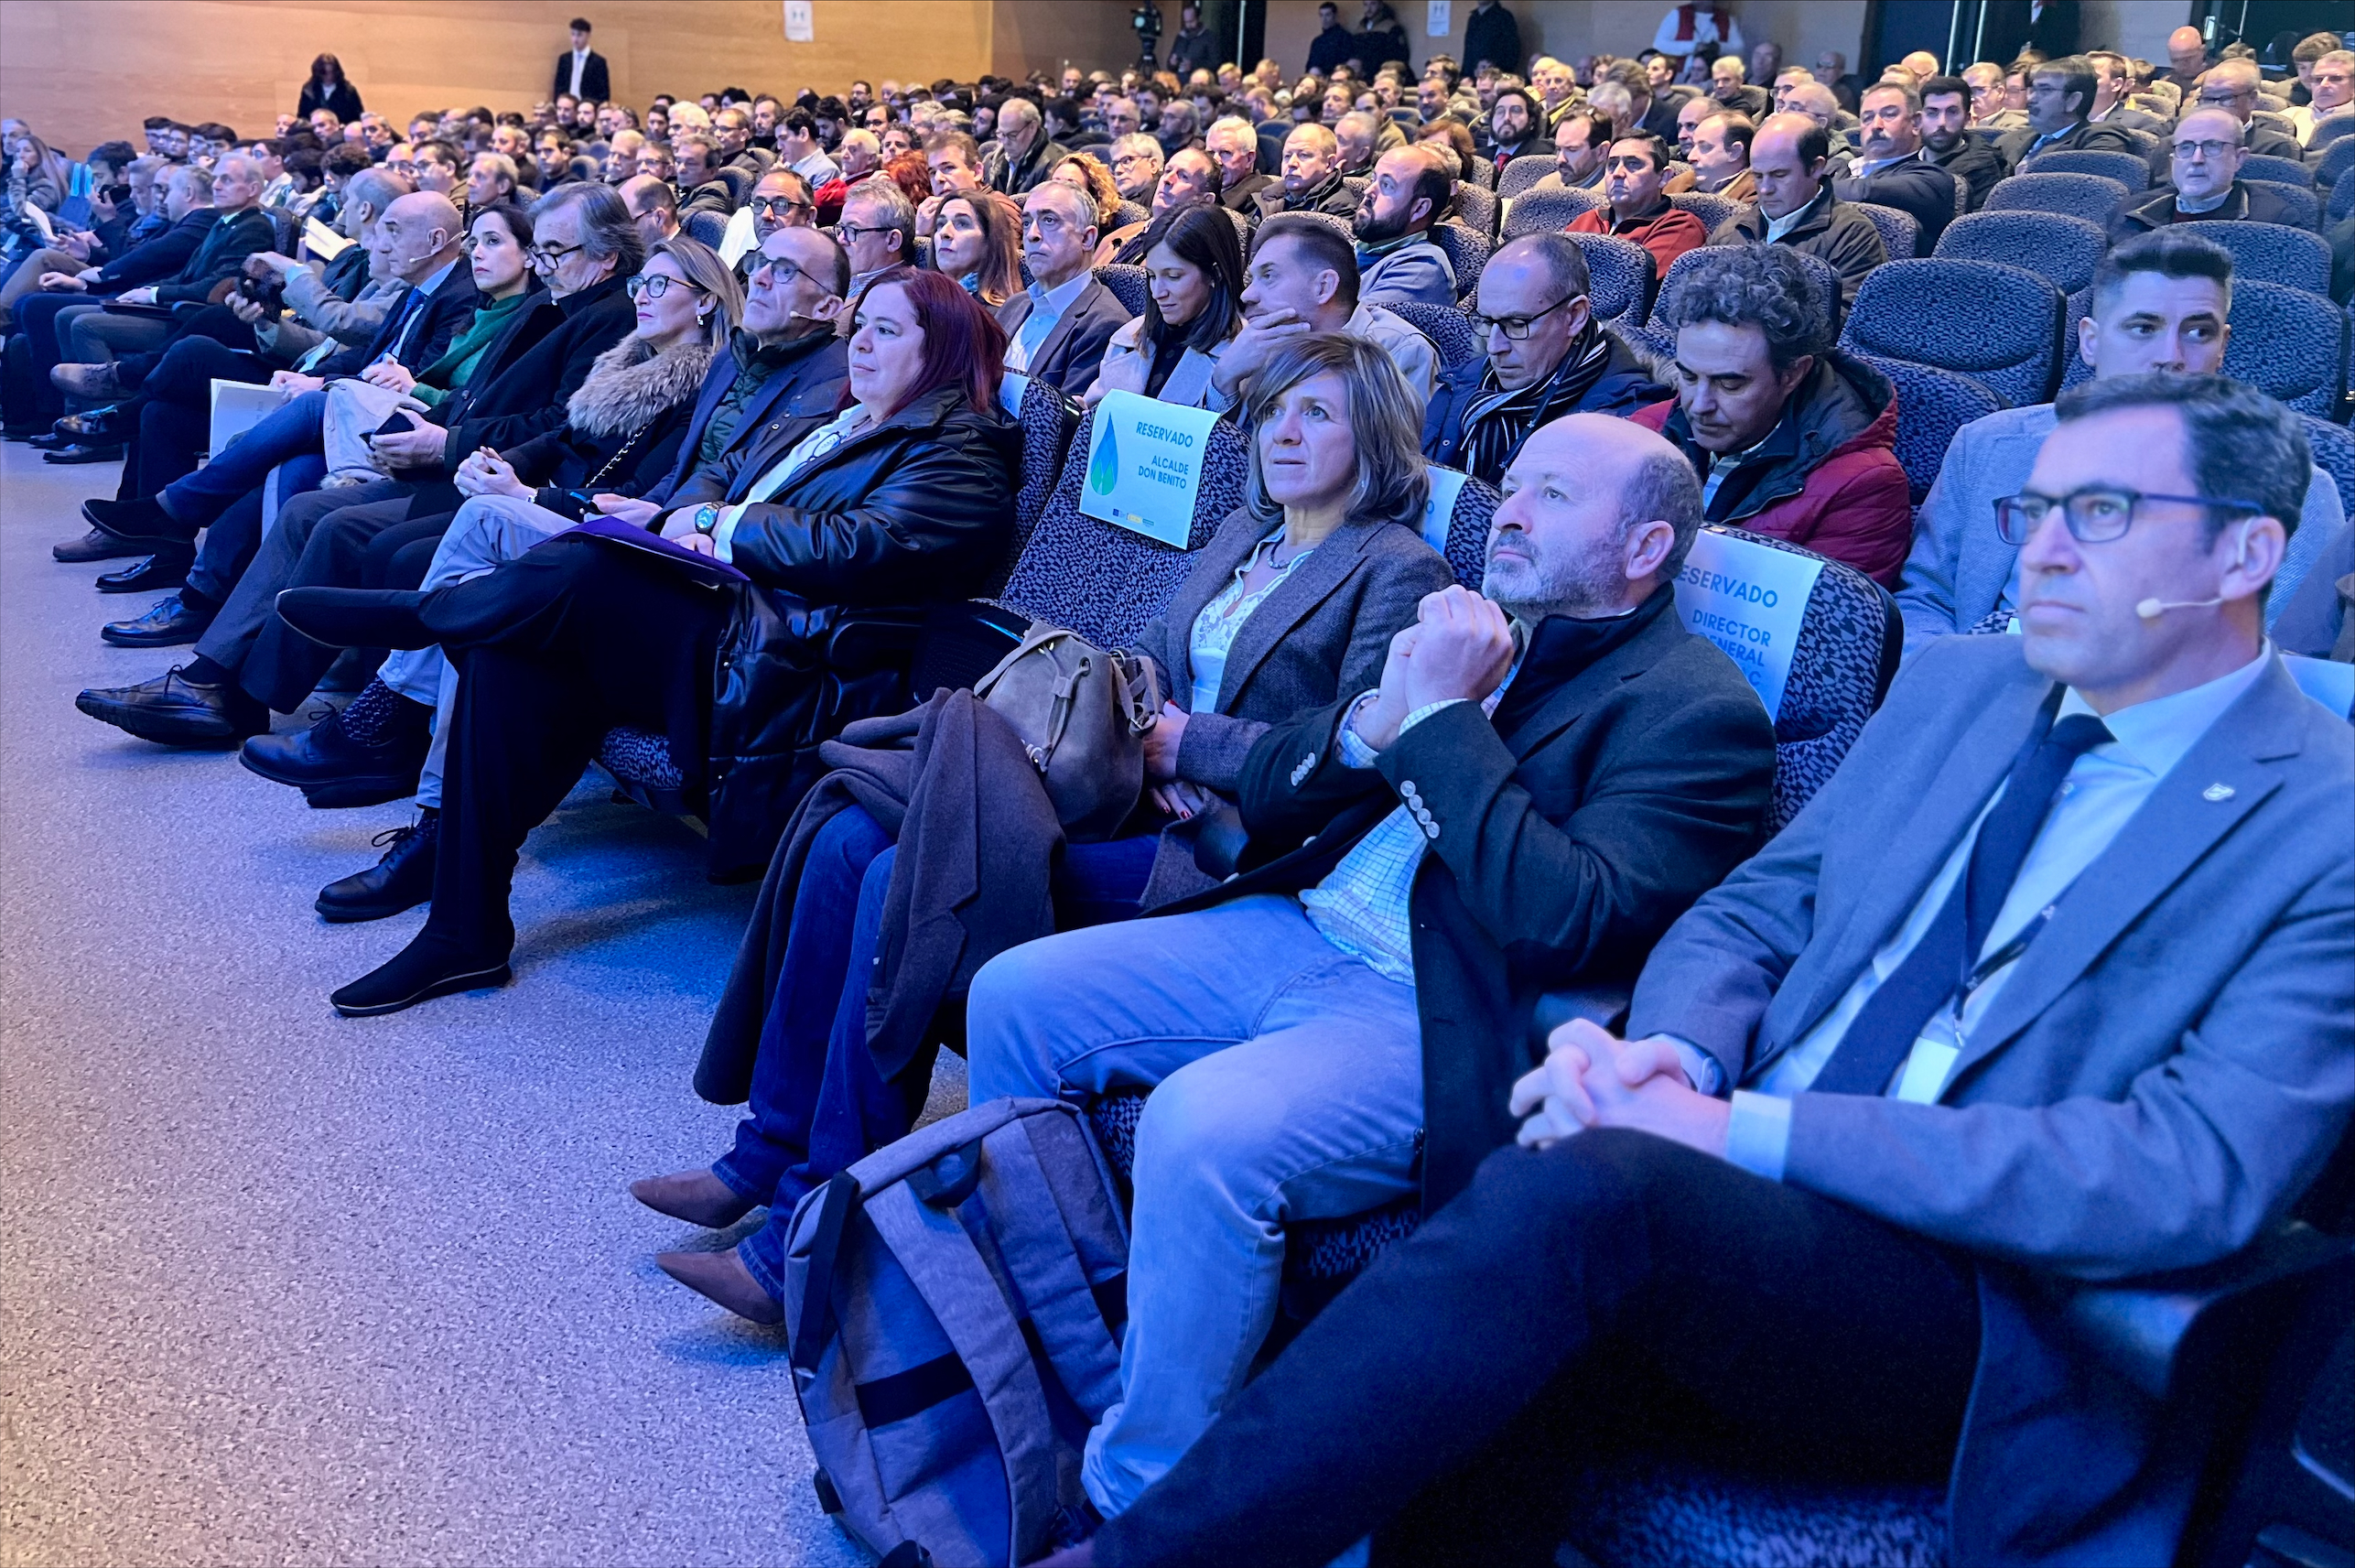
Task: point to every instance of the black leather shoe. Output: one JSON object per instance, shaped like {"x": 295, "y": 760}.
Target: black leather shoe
{"x": 98, "y": 545}
{"x": 174, "y": 712}
{"x": 357, "y": 617}
{"x": 333, "y": 770}
{"x": 402, "y": 880}
{"x": 85, "y": 452}
{"x": 52, "y": 442}
{"x": 168, "y": 624}
{"x": 143, "y": 520}
{"x": 419, "y": 972}
{"x": 147, "y": 576}
{"x": 94, "y": 425}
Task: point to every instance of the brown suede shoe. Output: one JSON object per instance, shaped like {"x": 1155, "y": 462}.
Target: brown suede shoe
{"x": 696, "y": 1196}
{"x": 723, "y": 1277}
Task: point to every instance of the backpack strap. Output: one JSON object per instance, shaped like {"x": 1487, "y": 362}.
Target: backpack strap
{"x": 817, "y": 1326}
{"x": 1077, "y": 1320}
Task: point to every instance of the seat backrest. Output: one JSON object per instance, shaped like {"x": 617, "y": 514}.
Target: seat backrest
{"x": 2279, "y": 170}
{"x": 1522, "y": 172}
{"x": 1999, "y": 325}
{"x": 1900, "y": 231}
{"x": 739, "y": 183}
{"x": 2342, "y": 200}
{"x": 1049, "y": 420}
{"x": 1932, "y": 404}
{"x": 1483, "y": 174}
{"x": 1540, "y": 211}
{"x": 1356, "y": 185}
{"x": 708, "y": 227}
{"x": 2335, "y": 140}
{"x": 2285, "y": 343}
{"x": 2063, "y": 251}
{"x": 2270, "y": 253}
{"x": 1715, "y": 212}
{"x": 1128, "y": 286}
{"x": 1332, "y": 220}
{"x": 1108, "y": 583}
{"x": 1841, "y": 661}
{"x": 2334, "y": 453}
{"x": 1444, "y": 325}
{"x": 1478, "y": 208}
{"x": 1824, "y": 285}
{"x": 1465, "y": 252}
{"x": 1467, "y": 530}
{"x": 2128, "y": 169}
{"x": 1620, "y": 277}
{"x": 2303, "y": 206}
{"x": 2091, "y": 197}
{"x": 1134, "y": 212}
{"x": 2148, "y": 144}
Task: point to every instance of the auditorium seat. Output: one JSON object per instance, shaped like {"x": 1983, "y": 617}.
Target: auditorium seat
{"x": 2064, "y": 251}
{"x": 1542, "y": 210}
{"x": 2128, "y": 170}
{"x": 1445, "y": 326}
{"x": 1900, "y": 231}
{"x": 1521, "y": 173}
{"x": 2091, "y": 197}
{"x": 1049, "y": 420}
{"x": 1483, "y": 174}
{"x": 2333, "y": 447}
{"x": 1332, "y": 220}
{"x": 1620, "y": 278}
{"x": 1467, "y": 252}
{"x": 1128, "y": 286}
{"x": 1932, "y": 404}
{"x": 1998, "y": 324}
{"x": 2270, "y": 253}
{"x": 2279, "y": 170}
{"x": 1715, "y": 212}
{"x": 1465, "y": 547}
{"x": 2286, "y": 343}
{"x": 1134, "y": 212}
{"x": 1478, "y": 208}
{"x": 2305, "y": 206}
{"x": 709, "y": 228}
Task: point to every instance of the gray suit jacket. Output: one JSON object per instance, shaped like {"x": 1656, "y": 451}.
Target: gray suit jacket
{"x": 1958, "y": 569}
{"x": 1074, "y": 349}
{"x": 2161, "y": 1077}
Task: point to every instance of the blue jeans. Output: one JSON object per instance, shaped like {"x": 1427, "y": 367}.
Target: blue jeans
{"x": 817, "y": 1103}
{"x": 289, "y": 430}
{"x": 1287, "y": 1080}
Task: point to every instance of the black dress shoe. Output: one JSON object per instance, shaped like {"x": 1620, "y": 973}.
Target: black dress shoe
{"x": 97, "y": 425}
{"x": 85, "y": 452}
{"x": 334, "y": 770}
{"x": 424, "y": 969}
{"x": 357, "y": 617}
{"x": 168, "y": 625}
{"x": 52, "y": 442}
{"x": 143, "y": 520}
{"x": 402, "y": 880}
{"x": 174, "y": 711}
{"x": 98, "y": 545}
{"x": 147, "y": 576}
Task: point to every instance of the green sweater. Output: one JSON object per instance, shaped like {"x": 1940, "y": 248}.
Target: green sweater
{"x": 450, "y": 373}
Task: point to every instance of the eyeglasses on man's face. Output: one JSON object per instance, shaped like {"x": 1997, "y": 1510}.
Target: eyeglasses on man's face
{"x": 547, "y": 258}
{"x": 2097, "y": 513}
{"x": 2208, "y": 150}
{"x": 1517, "y": 329}
{"x": 774, "y": 208}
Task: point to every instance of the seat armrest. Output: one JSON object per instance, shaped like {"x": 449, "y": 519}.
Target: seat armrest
{"x": 865, "y": 640}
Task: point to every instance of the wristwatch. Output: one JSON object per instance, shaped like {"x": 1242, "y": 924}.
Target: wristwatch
{"x": 706, "y": 517}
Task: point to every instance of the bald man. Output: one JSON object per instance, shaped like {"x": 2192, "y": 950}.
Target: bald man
{"x": 2204, "y": 184}
{"x": 2187, "y": 59}
{"x": 1796, "y": 206}
{"x": 2233, "y": 86}
{"x": 1815, "y": 101}
{"x": 1309, "y": 180}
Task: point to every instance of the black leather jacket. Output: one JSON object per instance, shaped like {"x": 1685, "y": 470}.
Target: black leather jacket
{"x": 915, "y": 511}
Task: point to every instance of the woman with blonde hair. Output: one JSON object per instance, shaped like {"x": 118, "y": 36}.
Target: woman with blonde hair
{"x": 977, "y": 242}
{"x": 1086, "y": 172}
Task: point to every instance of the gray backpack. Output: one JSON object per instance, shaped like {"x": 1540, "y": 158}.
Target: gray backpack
{"x": 956, "y": 1302}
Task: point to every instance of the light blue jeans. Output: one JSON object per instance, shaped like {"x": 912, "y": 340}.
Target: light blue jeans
{"x": 1290, "y": 1087}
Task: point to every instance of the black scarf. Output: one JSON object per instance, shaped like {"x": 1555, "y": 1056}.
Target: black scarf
{"x": 1497, "y": 422}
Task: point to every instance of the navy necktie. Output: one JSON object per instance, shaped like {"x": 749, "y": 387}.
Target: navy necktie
{"x": 1893, "y": 1018}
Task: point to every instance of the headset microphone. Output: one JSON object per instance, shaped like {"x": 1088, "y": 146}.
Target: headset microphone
{"x": 2152, "y": 609}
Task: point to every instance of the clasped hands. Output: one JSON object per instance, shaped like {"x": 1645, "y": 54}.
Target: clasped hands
{"x": 1593, "y": 1079}
{"x": 1461, "y": 645}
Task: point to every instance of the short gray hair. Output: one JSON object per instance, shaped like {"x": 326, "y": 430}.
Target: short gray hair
{"x": 607, "y": 228}
{"x": 1664, "y": 488}
{"x": 1766, "y": 286}
{"x": 1385, "y": 422}
{"x": 375, "y": 188}
{"x": 2244, "y": 445}
{"x": 883, "y": 193}
{"x": 1139, "y": 142}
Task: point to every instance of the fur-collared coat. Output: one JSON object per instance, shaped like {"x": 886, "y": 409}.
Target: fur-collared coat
{"x": 623, "y": 425}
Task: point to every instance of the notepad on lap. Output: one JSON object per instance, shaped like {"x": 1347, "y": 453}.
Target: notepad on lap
{"x": 237, "y": 408}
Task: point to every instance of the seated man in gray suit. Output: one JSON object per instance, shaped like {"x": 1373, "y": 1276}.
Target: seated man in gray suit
{"x": 2047, "y": 987}
{"x": 1057, "y": 327}
{"x": 2160, "y": 303}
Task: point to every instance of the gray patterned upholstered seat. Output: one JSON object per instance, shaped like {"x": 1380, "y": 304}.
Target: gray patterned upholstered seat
{"x": 1715, "y": 212}
{"x": 2065, "y": 252}
{"x": 1900, "y": 231}
{"x": 1128, "y": 285}
{"x": 2302, "y": 208}
{"x": 1932, "y": 404}
{"x": 2000, "y": 325}
{"x": 1466, "y": 549}
{"x": 2285, "y": 342}
{"x": 2270, "y": 253}
{"x": 1620, "y": 278}
{"x": 2281, "y": 170}
{"x": 1478, "y": 208}
{"x": 1465, "y": 251}
{"x": 1049, "y": 420}
{"x": 1521, "y": 173}
{"x": 2091, "y": 197}
{"x": 1133, "y": 212}
{"x": 709, "y": 228}
{"x": 1539, "y": 211}
{"x": 2333, "y": 447}
{"x": 1647, "y": 1512}
{"x": 1445, "y": 326}
{"x": 2124, "y": 167}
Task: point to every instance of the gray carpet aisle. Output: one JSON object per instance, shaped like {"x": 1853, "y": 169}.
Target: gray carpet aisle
{"x": 281, "y": 1287}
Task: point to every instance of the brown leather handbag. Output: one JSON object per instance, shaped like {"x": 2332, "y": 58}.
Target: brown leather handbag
{"x": 1082, "y": 712}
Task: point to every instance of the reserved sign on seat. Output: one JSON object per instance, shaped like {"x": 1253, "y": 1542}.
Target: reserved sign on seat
{"x": 1144, "y": 466}
{"x": 1749, "y": 600}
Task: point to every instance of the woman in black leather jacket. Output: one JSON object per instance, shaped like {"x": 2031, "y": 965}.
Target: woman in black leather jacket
{"x": 904, "y": 499}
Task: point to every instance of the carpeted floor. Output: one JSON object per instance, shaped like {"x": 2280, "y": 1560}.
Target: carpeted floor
{"x": 277, "y": 1286}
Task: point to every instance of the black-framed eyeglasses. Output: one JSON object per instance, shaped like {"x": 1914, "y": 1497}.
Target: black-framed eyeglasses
{"x": 547, "y": 258}
{"x": 653, "y": 285}
{"x": 753, "y": 263}
{"x": 851, "y": 233}
{"x": 773, "y": 207}
{"x": 1517, "y": 329}
{"x": 2097, "y": 514}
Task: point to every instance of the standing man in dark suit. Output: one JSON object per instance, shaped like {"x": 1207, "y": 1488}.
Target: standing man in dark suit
{"x": 1542, "y": 780}
{"x": 1057, "y": 327}
{"x": 2046, "y": 987}
{"x": 580, "y": 71}
{"x": 1892, "y": 172}
{"x": 1490, "y": 37}
{"x": 2049, "y": 26}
